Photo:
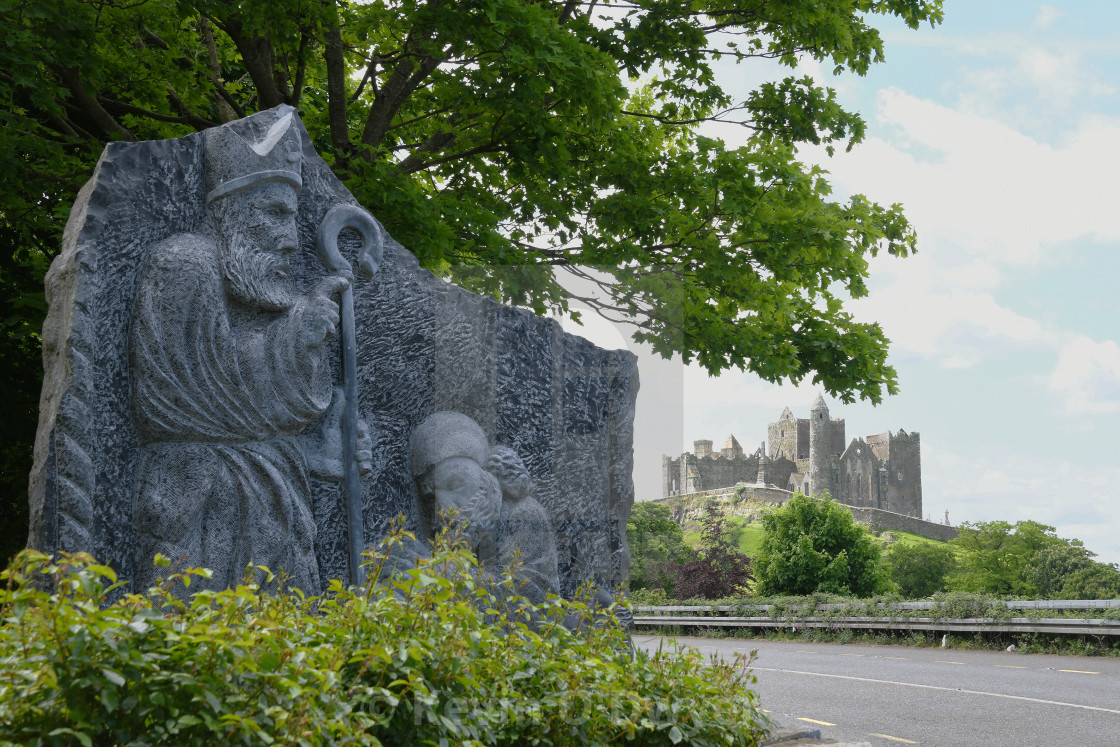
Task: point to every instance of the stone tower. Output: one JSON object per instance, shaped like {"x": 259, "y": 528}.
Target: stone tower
{"x": 820, "y": 439}
{"x": 731, "y": 448}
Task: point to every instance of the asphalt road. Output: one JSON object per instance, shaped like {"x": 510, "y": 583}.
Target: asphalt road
{"x": 893, "y": 695}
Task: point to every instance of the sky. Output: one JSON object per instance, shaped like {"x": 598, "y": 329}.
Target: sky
{"x": 999, "y": 133}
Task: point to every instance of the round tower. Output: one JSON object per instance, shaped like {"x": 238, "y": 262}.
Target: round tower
{"x": 820, "y": 441}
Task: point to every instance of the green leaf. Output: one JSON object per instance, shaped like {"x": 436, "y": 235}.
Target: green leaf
{"x": 114, "y": 677}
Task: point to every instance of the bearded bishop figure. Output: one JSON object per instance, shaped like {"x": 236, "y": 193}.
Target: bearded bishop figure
{"x": 232, "y": 394}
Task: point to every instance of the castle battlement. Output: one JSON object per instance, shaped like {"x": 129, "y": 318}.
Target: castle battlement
{"x": 881, "y": 471}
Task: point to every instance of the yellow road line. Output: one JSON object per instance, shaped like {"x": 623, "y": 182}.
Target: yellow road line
{"x": 942, "y": 661}
{"x": 814, "y": 721}
{"x": 1009, "y": 666}
{"x": 853, "y": 654}
{"x": 1077, "y": 671}
{"x": 896, "y": 739}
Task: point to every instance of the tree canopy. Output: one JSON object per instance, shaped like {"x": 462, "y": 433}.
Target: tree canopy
{"x": 718, "y": 568}
{"x": 656, "y": 545}
{"x": 998, "y": 557}
{"x": 495, "y": 137}
{"x": 814, "y": 544}
{"x": 1028, "y": 559}
{"x": 919, "y": 569}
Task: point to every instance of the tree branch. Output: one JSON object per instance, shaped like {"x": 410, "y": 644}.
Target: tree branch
{"x": 301, "y": 68}
{"x": 256, "y": 52}
{"x": 226, "y": 105}
{"x": 336, "y": 84}
{"x": 189, "y": 118}
{"x": 406, "y": 77}
{"x": 73, "y": 81}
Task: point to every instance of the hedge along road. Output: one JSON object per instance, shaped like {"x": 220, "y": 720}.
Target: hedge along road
{"x": 891, "y": 695}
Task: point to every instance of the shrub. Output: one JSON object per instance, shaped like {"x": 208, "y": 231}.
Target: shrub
{"x": 919, "y": 569}
{"x": 1050, "y": 566}
{"x": 1095, "y": 581}
{"x": 429, "y": 656}
{"x": 718, "y": 568}
{"x": 997, "y": 556}
{"x": 656, "y": 542}
{"x": 813, "y": 544}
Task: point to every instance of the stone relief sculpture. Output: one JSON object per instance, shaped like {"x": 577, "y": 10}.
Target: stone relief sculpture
{"x": 525, "y": 536}
{"x": 449, "y": 457}
{"x": 489, "y": 490}
{"x": 231, "y": 395}
{"x": 209, "y": 357}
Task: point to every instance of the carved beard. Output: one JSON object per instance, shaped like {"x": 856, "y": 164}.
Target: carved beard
{"x": 253, "y": 277}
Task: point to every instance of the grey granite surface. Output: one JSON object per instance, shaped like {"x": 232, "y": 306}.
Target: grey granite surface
{"x": 423, "y": 345}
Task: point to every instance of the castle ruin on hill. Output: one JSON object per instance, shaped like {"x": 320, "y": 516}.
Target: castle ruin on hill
{"x": 882, "y": 471}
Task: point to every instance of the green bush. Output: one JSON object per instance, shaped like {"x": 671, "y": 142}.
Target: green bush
{"x": 656, "y": 544}
{"x": 997, "y": 557}
{"x": 919, "y": 569}
{"x": 431, "y": 656}
{"x": 1096, "y": 581}
{"x": 814, "y": 544}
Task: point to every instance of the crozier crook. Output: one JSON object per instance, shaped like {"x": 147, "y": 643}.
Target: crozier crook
{"x": 338, "y": 219}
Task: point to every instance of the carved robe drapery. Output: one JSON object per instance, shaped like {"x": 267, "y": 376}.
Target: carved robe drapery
{"x": 526, "y": 534}
{"x": 221, "y": 407}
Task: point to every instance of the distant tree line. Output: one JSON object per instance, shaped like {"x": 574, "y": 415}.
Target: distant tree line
{"x": 811, "y": 545}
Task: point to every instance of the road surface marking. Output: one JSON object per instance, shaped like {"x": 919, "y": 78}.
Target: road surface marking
{"x": 942, "y": 661}
{"x": 1077, "y": 671}
{"x": 897, "y": 739}
{"x": 814, "y": 721}
{"x": 897, "y": 658}
{"x": 1009, "y": 666}
{"x": 937, "y": 687}
{"x": 853, "y": 654}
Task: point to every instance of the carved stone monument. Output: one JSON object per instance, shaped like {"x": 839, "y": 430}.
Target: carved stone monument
{"x": 216, "y": 377}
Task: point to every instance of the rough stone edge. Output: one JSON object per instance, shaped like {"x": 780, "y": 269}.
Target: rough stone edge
{"x": 63, "y": 479}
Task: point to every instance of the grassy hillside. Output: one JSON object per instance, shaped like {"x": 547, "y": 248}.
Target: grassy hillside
{"x": 749, "y": 534}
{"x": 749, "y": 530}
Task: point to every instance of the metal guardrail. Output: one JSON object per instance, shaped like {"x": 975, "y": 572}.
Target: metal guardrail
{"x": 1057, "y": 626}
{"x": 679, "y": 615}
{"x": 1040, "y": 604}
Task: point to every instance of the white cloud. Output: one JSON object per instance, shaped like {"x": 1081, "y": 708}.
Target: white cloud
{"x": 1001, "y": 485}
{"x": 1087, "y": 377}
{"x": 1046, "y": 16}
{"x": 982, "y": 187}
{"x": 738, "y": 390}
{"x": 934, "y": 313}
{"x": 1041, "y": 86}
{"x": 983, "y": 197}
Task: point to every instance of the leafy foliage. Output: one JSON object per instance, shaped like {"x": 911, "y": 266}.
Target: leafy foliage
{"x": 997, "y": 557}
{"x": 1051, "y": 565}
{"x": 656, "y": 541}
{"x": 427, "y": 657}
{"x": 493, "y": 137}
{"x": 717, "y": 568}
{"x": 814, "y": 545}
{"x": 919, "y": 569}
{"x": 1095, "y": 581}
